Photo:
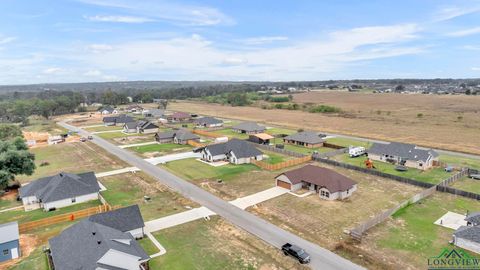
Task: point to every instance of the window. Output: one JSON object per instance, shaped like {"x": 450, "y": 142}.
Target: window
{"x": 5, "y": 252}
{"x": 74, "y": 200}
{"x": 324, "y": 193}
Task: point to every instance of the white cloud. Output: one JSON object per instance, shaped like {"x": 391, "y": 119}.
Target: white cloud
{"x": 233, "y": 61}
{"x": 263, "y": 40}
{"x": 94, "y": 73}
{"x": 471, "y": 47}
{"x": 99, "y": 48}
{"x": 99, "y": 75}
{"x": 465, "y": 32}
{"x": 476, "y": 68}
{"x": 118, "y": 19}
{"x": 449, "y": 13}
{"x": 5, "y": 40}
{"x": 52, "y": 70}
{"x": 185, "y": 14}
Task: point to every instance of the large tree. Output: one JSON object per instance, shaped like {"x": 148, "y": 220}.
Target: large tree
{"x": 15, "y": 159}
{"x": 9, "y": 131}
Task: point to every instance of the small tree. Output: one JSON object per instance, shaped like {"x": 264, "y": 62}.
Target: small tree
{"x": 14, "y": 160}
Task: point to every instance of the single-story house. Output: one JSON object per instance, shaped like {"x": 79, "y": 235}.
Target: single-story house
{"x": 248, "y": 128}
{"x": 156, "y": 113}
{"x": 405, "y": 154}
{"x": 9, "y": 241}
{"x": 136, "y": 109}
{"x": 180, "y": 117}
{"x": 61, "y": 190}
{"x": 127, "y": 220}
{"x": 119, "y": 120}
{"x": 305, "y": 138}
{"x": 108, "y": 110}
{"x": 180, "y": 136}
{"x": 97, "y": 245}
{"x": 234, "y": 151}
{"x": 260, "y": 138}
{"x": 141, "y": 126}
{"x": 329, "y": 184}
{"x": 467, "y": 237}
{"x": 208, "y": 122}
{"x": 473, "y": 219}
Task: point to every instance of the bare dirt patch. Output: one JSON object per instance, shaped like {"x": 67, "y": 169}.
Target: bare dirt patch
{"x": 446, "y": 122}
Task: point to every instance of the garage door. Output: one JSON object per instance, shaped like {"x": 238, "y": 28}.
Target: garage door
{"x": 284, "y": 184}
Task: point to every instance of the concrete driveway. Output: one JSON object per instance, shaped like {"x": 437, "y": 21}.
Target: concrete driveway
{"x": 172, "y": 157}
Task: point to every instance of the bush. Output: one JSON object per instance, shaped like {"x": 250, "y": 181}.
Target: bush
{"x": 324, "y": 109}
{"x": 279, "y": 99}
{"x": 419, "y": 115}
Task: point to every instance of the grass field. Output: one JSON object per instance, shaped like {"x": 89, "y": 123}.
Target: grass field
{"x": 407, "y": 240}
{"x": 216, "y": 244}
{"x": 24, "y": 216}
{"x": 467, "y": 184}
{"x": 348, "y": 142}
{"x": 434, "y": 176}
{"x": 165, "y": 148}
{"x": 274, "y": 158}
{"x": 128, "y": 189}
{"x": 40, "y": 124}
{"x": 461, "y": 161}
{"x": 390, "y": 117}
{"x": 279, "y": 130}
{"x": 231, "y": 134}
{"x": 72, "y": 157}
{"x": 306, "y": 150}
{"x": 103, "y": 128}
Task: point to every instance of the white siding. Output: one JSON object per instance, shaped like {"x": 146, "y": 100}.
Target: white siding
{"x": 467, "y": 244}
{"x": 68, "y": 202}
{"x": 285, "y": 179}
{"x": 137, "y": 233}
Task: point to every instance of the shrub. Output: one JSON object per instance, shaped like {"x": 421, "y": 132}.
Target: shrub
{"x": 419, "y": 115}
{"x": 324, "y": 109}
{"x": 279, "y": 99}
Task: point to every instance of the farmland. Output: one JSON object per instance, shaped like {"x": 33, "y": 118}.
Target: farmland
{"x": 392, "y": 117}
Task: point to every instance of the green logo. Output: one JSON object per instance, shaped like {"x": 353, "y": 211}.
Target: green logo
{"x": 451, "y": 259}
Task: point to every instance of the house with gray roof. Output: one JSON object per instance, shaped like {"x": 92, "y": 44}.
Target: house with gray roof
{"x": 127, "y": 219}
{"x": 155, "y": 113}
{"x": 119, "y": 120}
{"x": 9, "y": 241}
{"x": 248, "y": 128}
{"x": 108, "y": 110}
{"x": 60, "y": 190}
{"x": 179, "y": 136}
{"x": 308, "y": 139}
{"x": 142, "y": 126}
{"x": 234, "y": 151}
{"x": 473, "y": 219}
{"x": 467, "y": 237}
{"x": 208, "y": 122}
{"x": 405, "y": 154}
{"x": 97, "y": 243}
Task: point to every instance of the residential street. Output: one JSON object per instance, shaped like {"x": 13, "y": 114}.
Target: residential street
{"x": 320, "y": 257}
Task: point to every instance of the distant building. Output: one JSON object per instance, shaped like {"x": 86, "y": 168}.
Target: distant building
{"x": 108, "y": 110}
{"x": 180, "y": 136}
{"x": 308, "y": 139}
{"x": 208, "y": 122}
{"x": 119, "y": 120}
{"x": 249, "y": 128}
{"x": 234, "y": 151}
{"x": 9, "y": 241}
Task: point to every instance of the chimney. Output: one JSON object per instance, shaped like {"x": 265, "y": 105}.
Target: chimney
{"x": 93, "y": 233}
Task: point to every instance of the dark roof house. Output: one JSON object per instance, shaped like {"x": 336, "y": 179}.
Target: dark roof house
{"x": 473, "y": 219}
{"x": 179, "y": 116}
{"x": 305, "y": 138}
{"x": 123, "y": 219}
{"x": 208, "y": 121}
{"x": 178, "y": 136}
{"x": 239, "y": 149}
{"x": 403, "y": 151}
{"x": 61, "y": 186}
{"x": 120, "y": 119}
{"x": 249, "y": 127}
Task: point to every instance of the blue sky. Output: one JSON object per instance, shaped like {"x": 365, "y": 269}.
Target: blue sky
{"x": 110, "y": 40}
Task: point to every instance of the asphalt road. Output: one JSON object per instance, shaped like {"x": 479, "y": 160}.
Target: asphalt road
{"x": 320, "y": 258}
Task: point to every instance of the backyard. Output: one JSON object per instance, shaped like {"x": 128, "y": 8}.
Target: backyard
{"x": 410, "y": 237}
{"x": 467, "y": 184}
{"x": 216, "y": 244}
{"x": 160, "y": 149}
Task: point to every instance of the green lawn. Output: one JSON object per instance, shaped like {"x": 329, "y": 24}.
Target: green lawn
{"x": 277, "y": 130}
{"x": 148, "y": 246}
{"x": 72, "y": 157}
{"x": 24, "y": 216}
{"x": 460, "y": 161}
{"x": 103, "y": 128}
{"x": 412, "y": 232}
{"x": 274, "y": 158}
{"x": 348, "y": 142}
{"x": 37, "y": 260}
{"x": 119, "y": 134}
{"x": 128, "y": 189}
{"x": 213, "y": 245}
{"x": 230, "y": 133}
{"x": 8, "y": 202}
{"x": 306, "y": 150}
{"x": 434, "y": 176}
{"x": 193, "y": 169}
{"x": 467, "y": 184}
{"x": 162, "y": 148}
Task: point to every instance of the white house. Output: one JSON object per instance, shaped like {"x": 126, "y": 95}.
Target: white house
{"x": 405, "y": 154}
{"x": 108, "y": 110}
{"x": 61, "y": 190}
{"x": 234, "y": 151}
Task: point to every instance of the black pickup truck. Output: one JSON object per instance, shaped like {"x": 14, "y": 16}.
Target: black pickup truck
{"x": 296, "y": 252}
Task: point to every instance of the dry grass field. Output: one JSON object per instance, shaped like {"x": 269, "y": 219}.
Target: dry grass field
{"x": 446, "y": 122}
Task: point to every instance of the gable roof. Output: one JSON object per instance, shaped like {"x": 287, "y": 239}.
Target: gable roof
{"x": 130, "y": 125}
{"x": 123, "y": 219}
{"x": 310, "y": 137}
{"x": 119, "y": 119}
{"x": 403, "y": 150}
{"x": 241, "y": 149}
{"x": 9, "y": 232}
{"x": 108, "y": 109}
{"x": 208, "y": 121}
{"x": 61, "y": 186}
{"x": 144, "y": 124}
{"x": 180, "y": 134}
{"x": 473, "y": 218}
{"x": 471, "y": 233}
{"x": 155, "y": 112}
{"x": 85, "y": 245}
{"x": 249, "y": 127}
{"x": 320, "y": 176}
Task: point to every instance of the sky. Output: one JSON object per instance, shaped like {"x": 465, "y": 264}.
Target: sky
{"x": 56, "y": 41}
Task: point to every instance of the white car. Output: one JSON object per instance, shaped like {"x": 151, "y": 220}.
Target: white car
{"x": 356, "y": 151}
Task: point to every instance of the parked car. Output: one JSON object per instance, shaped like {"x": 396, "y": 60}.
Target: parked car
{"x": 90, "y": 137}
{"x": 296, "y": 252}
{"x": 83, "y": 139}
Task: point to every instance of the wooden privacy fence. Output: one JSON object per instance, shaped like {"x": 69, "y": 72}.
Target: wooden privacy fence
{"x": 195, "y": 144}
{"x": 28, "y": 226}
{"x": 334, "y": 146}
{"x": 207, "y": 134}
{"x": 285, "y": 164}
{"x": 454, "y": 177}
{"x": 277, "y": 150}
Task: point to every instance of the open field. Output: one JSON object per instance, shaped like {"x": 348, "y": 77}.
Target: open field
{"x": 23, "y": 216}
{"x": 467, "y": 184}
{"x": 410, "y": 237}
{"x": 274, "y": 158}
{"x": 40, "y": 124}
{"x": 348, "y": 142}
{"x": 216, "y": 244}
{"x": 434, "y": 175}
{"x": 231, "y": 134}
{"x": 391, "y": 117}
{"x": 72, "y": 157}
{"x": 130, "y": 188}
{"x": 160, "y": 149}
{"x": 460, "y": 162}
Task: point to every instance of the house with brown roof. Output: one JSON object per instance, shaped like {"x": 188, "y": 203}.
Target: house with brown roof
{"x": 329, "y": 184}
{"x": 305, "y": 138}
{"x": 180, "y": 117}
{"x": 260, "y": 138}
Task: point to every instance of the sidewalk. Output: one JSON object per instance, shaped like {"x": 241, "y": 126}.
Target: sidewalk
{"x": 137, "y": 144}
{"x": 119, "y": 171}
